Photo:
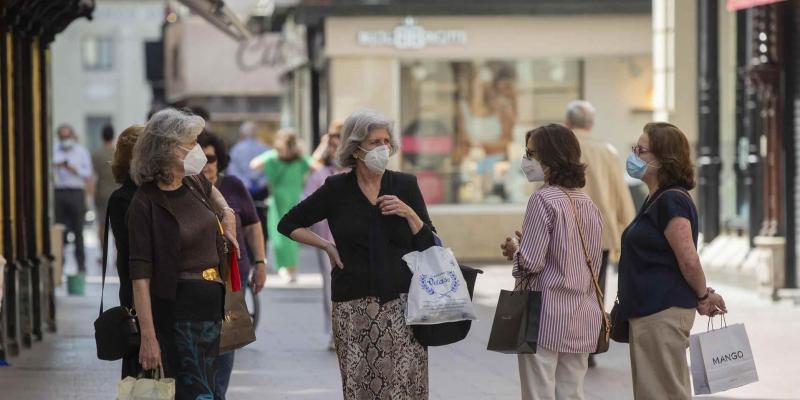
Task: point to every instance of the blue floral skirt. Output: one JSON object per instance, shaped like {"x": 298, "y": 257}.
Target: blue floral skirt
{"x": 189, "y": 340}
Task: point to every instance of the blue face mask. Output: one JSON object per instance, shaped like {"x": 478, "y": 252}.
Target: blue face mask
{"x": 636, "y": 166}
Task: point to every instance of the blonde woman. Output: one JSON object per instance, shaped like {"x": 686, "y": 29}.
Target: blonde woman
{"x": 286, "y": 169}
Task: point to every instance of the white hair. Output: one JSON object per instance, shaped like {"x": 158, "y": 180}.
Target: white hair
{"x": 357, "y": 128}
{"x": 154, "y": 152}
{"x": 248, "y": 129}
{"x": 580, "y": 114}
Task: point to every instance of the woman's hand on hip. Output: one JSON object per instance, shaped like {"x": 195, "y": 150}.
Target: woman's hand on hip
{"x": 149, "y": 352}
{"x": 333, "y": 255}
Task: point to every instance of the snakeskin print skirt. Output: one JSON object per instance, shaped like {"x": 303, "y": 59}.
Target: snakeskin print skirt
{"x": 379, "y": 358}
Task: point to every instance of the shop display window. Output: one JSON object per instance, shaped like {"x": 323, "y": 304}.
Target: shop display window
{"x": 463, "y": 123}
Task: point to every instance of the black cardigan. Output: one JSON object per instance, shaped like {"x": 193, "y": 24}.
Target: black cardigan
{"x": 118, "y": 205}
{"x": 370, "y": 245}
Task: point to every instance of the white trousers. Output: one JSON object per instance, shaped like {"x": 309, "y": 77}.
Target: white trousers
{"x": 549, "y": 375}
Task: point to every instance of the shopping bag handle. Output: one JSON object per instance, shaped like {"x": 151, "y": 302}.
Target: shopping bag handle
{"x": 155, "y": 373}
{"x": 722, "y": 324}
{"x": 524, "y": 283}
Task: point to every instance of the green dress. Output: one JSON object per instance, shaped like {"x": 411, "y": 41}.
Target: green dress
{"x": 286, "y": 181}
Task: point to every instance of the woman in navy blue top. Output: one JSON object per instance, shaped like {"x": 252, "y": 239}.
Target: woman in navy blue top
{"x": 661, "y": 281}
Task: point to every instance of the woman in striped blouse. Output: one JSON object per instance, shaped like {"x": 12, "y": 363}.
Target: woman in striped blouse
{"x": 549, "y": 256}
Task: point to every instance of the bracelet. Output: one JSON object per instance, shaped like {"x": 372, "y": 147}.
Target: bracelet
{"x": 260, "y": 262}
{"x": 708, "y": 293}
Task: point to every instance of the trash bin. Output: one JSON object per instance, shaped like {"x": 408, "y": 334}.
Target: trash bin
{"x": 76, "y": 284}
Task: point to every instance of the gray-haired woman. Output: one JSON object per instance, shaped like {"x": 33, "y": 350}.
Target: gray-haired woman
{"x": 376, "y": 216}
{"x": 172, "y": 225}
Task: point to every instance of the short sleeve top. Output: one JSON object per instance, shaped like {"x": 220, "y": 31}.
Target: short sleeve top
{"x": 650, "y": 279}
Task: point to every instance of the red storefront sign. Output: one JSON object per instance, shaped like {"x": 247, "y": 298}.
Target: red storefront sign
{"x": 734, "y": 5}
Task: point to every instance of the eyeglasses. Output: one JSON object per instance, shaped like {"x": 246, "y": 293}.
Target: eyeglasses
{"x": 530, "y": 154}
{"x": 639, "y": 150}
{"x": 211, "y": 158}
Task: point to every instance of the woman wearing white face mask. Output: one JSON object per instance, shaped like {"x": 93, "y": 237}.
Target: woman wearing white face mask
{"x": 376, "y": 216}
{"x": 172, "y": 226}
{"x": 561, "y": 230}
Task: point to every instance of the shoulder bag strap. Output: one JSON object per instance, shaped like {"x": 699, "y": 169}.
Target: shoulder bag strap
{"x": 683, "y": 192}
{"x": 204, "y": 199}
{"x": 597, "y": 289}
{"x": 105, "y": 259}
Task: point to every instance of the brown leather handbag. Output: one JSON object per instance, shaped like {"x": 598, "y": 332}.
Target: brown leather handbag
{"x": 237, "y": 324}
{"x": 604, "y": 338}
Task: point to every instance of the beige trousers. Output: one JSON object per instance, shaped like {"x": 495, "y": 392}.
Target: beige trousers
{"x": 658, "y": 345}
{"x": 548, "y": 375}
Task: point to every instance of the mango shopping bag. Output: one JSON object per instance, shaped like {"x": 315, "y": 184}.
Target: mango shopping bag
{"x": 721, "y": 359}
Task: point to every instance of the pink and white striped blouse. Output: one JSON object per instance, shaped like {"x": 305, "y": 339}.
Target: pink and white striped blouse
{"x": 551, "y": 250}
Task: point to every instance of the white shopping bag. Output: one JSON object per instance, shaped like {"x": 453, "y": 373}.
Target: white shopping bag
{"x": 721, "y": 360}
{"x": 438, "y": 291}
{"x": 132, "y": 388}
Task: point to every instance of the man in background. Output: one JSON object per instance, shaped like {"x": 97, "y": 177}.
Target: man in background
{"x": 72, "y": 167}
{"x": 247, "y": 148}
{"x": 605, "y": 184}
{"x": 104, "y": 179}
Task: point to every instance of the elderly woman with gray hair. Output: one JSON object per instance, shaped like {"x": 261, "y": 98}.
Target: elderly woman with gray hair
{"x": 376, "y": 216}
{"x": 172, "y": 225}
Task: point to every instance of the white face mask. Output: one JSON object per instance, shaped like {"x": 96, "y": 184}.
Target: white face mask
{"x": 67, "y": 144}
{"x": 532, "y": 170}
{"x": 194, "y": 161}
{"x": 377, "y": 159}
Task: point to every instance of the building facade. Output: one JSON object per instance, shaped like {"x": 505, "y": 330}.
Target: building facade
{"x": 27, "y": 259}
{"x": 465, "y": 86}
{"x": 99, "y": 68}
{"x": 749, "y": 131}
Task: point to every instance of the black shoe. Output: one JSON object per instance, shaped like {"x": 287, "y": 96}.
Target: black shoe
{"x": 592, "y": 364}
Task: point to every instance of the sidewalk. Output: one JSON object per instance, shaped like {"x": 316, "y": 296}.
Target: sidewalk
{"x": 290, "y": 360}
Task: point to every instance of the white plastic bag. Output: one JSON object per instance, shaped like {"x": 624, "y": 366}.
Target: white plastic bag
{"x": 438, "y": 291}
{"x": 721, "y": 360}
{"x": 142, "y": 388}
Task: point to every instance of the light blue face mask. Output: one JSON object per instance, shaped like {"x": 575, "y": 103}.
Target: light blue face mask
{"x": 636, "y": 166}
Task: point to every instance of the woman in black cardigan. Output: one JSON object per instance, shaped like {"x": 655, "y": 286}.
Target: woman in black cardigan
{"x": 376, "y": 216}
{"x": 117, "y": 208}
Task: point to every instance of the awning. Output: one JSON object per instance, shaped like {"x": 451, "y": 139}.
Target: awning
{"x": 734, "y": 5}
{"x": 221, "y": 16}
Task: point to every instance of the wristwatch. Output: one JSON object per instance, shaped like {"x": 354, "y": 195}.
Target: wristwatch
{"x": 705, "y": 296}
{"x": 260, "y": 262}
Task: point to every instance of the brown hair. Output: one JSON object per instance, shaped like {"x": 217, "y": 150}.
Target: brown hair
{"x": 558, "y": 149}
{"x": 671, "y": 148}
{"x": 121, "y": 162}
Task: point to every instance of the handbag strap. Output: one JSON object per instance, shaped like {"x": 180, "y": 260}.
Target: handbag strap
{"x": 105, "y": 258}
{"x": 683, "y": 192}
{"x": 597, "y": 289}
{"x": 204, "y": 199}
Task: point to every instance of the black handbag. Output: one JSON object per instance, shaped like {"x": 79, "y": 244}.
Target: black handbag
{"x": 515, "y": 329}
{"x": 116, "y": 330}
{"x": 448, "y": 332}
{"x": 619, "y": 327}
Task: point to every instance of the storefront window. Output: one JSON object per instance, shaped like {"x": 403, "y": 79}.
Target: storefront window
{"x": 463, "y": 124}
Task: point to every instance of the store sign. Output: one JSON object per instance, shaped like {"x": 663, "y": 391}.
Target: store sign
{"x": 410, "y": 36}
{"x": 734, "y": 5}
